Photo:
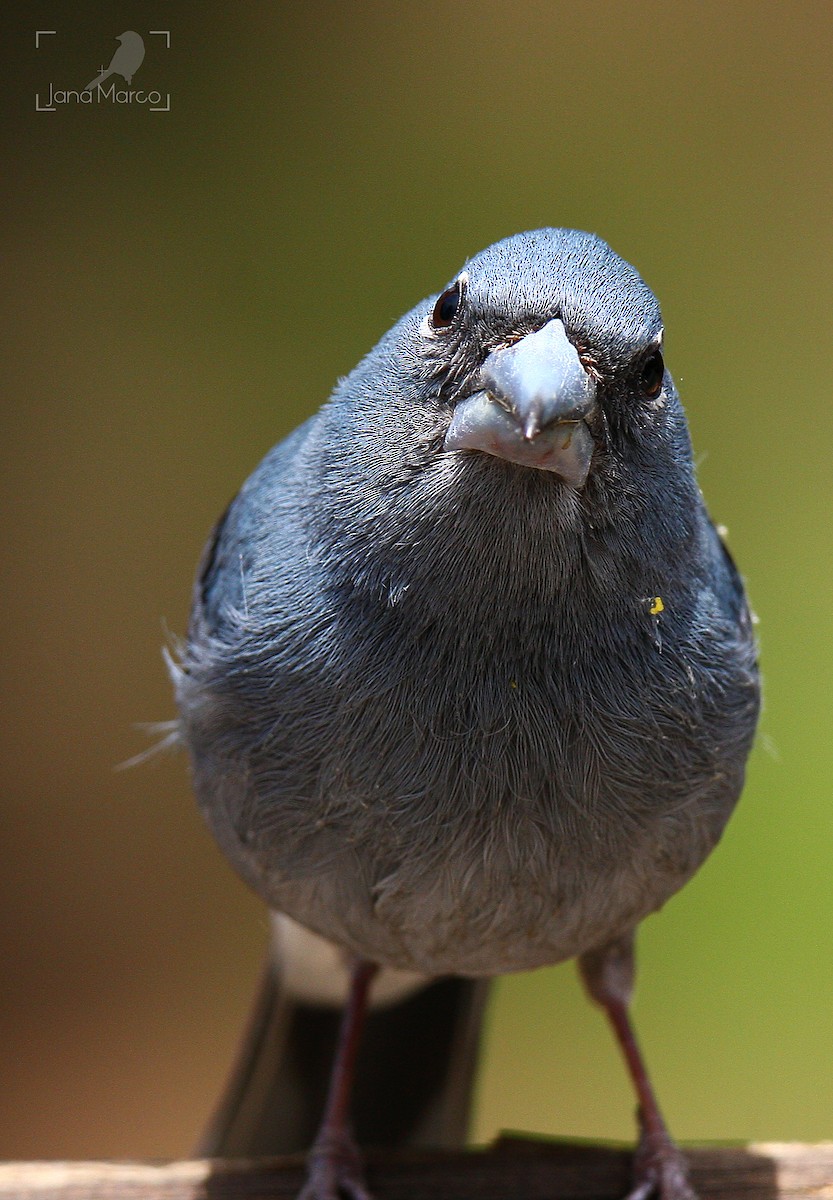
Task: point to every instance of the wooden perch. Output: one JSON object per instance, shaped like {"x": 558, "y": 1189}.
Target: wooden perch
{"x": 513, "y": 1168}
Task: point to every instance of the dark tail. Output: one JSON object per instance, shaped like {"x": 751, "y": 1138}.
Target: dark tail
{"x": 98, "y": 79}
{"x": 414, "y": 1074}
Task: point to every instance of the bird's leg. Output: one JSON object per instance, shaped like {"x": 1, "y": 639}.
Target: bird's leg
{"x": 659, "y": 1170}
{"x": 334, "y": 1167}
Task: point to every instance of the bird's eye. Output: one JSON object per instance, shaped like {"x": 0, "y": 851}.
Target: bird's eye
{"x": 446, "y": 308}
{"x": 653, "y": 372}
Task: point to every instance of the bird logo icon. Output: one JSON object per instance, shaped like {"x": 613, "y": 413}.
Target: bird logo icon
{"x": 125, "y": 62}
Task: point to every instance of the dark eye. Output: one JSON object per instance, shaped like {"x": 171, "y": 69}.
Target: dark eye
{"x": 445, "y": 310}
{"x": 653, "y": 371}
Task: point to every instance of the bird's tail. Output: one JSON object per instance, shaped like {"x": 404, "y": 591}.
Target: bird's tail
{"x": 414, "y": 1074}
{"x": 98, "y": 79}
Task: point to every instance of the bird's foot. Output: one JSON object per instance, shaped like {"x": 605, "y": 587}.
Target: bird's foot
{"x": 660, "y": 1171}
{"x": 334, "y": 1170}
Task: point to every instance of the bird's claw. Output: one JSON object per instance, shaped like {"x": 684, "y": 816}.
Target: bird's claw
{"x": 660, "y": 1171}
{"x": 334, "y": 1171}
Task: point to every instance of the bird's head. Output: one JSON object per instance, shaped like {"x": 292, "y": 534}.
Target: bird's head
{"x": 545, "y": 350}
{"x": 527, "y": 400}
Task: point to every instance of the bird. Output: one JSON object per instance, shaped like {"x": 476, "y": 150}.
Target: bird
{"x": 468, "y": 688}
{"x": 126, "y": 60}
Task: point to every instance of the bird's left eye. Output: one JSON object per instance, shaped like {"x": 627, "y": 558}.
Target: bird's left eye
{"x": 446, "y": 308}
{"x": 651, "y": 377}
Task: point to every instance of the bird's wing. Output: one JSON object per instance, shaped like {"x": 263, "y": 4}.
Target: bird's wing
{"x": 732, "y": 583}
{"x": 220, "y": 580}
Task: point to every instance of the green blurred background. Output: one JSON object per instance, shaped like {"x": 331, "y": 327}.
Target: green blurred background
{"x": 180, "y": 289}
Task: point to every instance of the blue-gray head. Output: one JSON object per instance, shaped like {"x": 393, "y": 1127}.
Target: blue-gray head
{"x": 556, "y": 338}
{"x": 543, "y": 352}
{"x": 533, "y": 384}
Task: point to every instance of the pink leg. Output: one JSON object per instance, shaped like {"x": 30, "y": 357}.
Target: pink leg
{"x": 660, "y": 1171}
{"x": 334, "y": 1165}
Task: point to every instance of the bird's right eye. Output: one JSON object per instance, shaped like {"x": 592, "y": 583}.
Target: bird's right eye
{"x": 447, "y": 306}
